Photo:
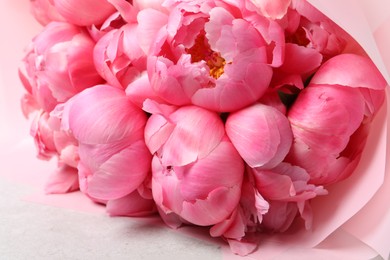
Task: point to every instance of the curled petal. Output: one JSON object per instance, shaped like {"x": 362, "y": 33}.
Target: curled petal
{"x": 104, "y": 114}
{"x": 63, "y": 180}
{"x": 194, "y": 191}
{"x": 132, "y": 205}
{"x": 337, "y": 71}
{"x": 120, "y": 174}
{"x": 175, "y": 135}
{"x": 261, "y": 134}
{"x": 331, "y": 113}
{"x": 294, "y": 54}
{"x": 86, "y": 12}
{"x": 272, "y": 9}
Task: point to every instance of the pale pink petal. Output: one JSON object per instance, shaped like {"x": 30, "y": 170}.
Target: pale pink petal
{"x": 150, "y": 22}
{"x": 104, "y": 114}
{"x": 261, "y": 134}
{"x": 64, "y": 179}
{"x": 86, "y": 12}
{"x": 223, "y": 167}
{"x": 242, "y": 247}
{"x": 139, "y": 90}
{"x": 82, "y": 72}
{"x": 280, "y": 216}
{"x": 337, "y": 71}
{"x": 329, "y": 113}
{"x": 185, "y": 145}
{"x": 45, "y": 12}
{"x": 231, "y": 227}
{"x": 131, "y": 205}
{"x": 126, "y": 10}
{"x": 121, "y": 174}
{"x": 157, "y": 132}
{"x": 209, "y": 211}
{"x": 194, "y": 191}
{"x": 272, "y": 9}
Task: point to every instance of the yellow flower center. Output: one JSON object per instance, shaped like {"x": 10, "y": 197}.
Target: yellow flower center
{"x": 201, "y": 51}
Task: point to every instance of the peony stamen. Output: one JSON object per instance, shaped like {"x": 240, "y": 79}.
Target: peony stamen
{"x": 201, "y": 51}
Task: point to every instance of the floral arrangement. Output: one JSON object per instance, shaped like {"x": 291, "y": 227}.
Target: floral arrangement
{"x": 228, "y": 114}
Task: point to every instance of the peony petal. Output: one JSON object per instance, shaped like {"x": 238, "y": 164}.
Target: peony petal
{"x": 139, "y": 90}
{"x": 63, "y": 180}
{"x": 261, "y": 134}
{"x": 121, "y": 174}
{"x": 209, "y": 211}
{"x": 104, "y": 114}
{"x": 150, "y": 22}
{"x": 337, "y": 71}
{"x": 272, "y": 9}
{"x": 185, "y": 145}
{"x": 327, "y": 112}
{"x": 131, "y": 205}
{"x": 300, "y": 60}
{"x": 222, "y": 167}
{"x": 86, "y": 12}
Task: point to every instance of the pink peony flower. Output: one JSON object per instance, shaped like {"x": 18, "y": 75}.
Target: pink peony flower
{"x": 51, "y": 141}
{"x": 59, "y": 64}
{"x": 206, "y": 54}
{"x": 114, "y": 160}
{"x": 193, "y": 171}
{"x": 333, "y": 108}
{"x": 54, "y": 142}
{"x": 211, "y": 184}
{"x": 138, "y": 203}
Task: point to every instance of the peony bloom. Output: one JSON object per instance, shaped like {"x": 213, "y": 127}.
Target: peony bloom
{"x": 114, "y": 160}
{"x": 202, "y": 53}
{"x": 54, "y": 142}
{"x": 261, "y": 134}
{"x": 193, "y": 171}
{"x": 211, "y": 184}
{"x": 59, "y": 64}
{"x": 51, "y": 141}
{"x": 307, "y": 27}
{"x": 333, "y": 108}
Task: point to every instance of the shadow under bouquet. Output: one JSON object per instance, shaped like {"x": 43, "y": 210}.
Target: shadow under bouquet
{"x": 236, "y": 115}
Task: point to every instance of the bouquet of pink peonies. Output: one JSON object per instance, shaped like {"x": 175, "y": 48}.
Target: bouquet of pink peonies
{"x": 230, "y": 114}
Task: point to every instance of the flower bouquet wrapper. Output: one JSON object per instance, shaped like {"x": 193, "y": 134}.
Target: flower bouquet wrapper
{"x": 353, "y": 220}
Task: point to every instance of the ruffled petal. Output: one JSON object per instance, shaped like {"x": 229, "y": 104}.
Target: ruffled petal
{"x": 261, "y": 134}
{"x": 86, "y": 12}
{"x": 337, "y": 71}
{"x": 104, "y": 114}
{"x": 121, "y": 174}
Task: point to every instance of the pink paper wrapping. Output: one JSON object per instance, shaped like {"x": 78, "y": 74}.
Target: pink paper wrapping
{"x": 353, "y": 222}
